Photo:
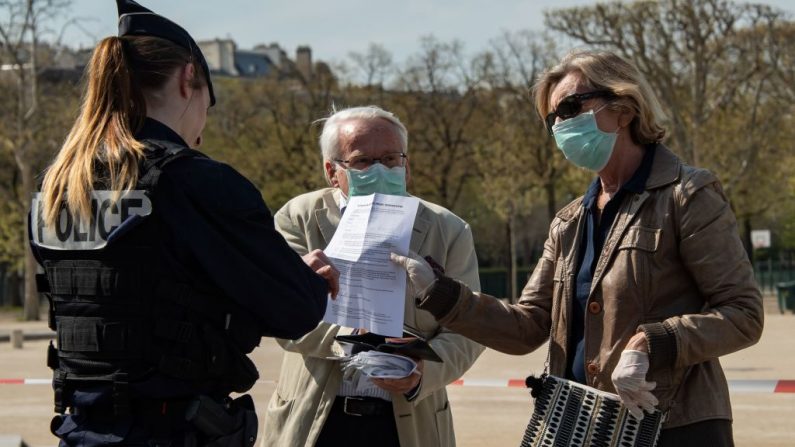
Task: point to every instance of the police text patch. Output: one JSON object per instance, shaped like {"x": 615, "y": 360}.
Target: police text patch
{"x": 107, "y": 218}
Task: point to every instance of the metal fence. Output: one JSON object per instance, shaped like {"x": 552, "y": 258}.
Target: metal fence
{"x": 769, "y": 273}
{"x": 12, "y": 288}
{"x": 494, "y": 280}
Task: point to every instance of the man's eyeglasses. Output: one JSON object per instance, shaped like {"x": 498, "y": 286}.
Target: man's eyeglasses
{"x": 571, "y": 106}
{"x": 359, "y": 162}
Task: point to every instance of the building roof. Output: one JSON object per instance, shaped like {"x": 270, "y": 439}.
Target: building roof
{"x": 252, "y": 64}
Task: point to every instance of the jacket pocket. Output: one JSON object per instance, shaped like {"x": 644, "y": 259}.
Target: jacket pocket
{"x": 641, "y": 238}
{"x": 74, "y": 430}
{"x": 444, "y": 426}
{"x": 276, "y": 415}
{"x": 633, "y": 264}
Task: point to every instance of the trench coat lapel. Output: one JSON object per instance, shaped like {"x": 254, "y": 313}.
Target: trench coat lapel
{"x": 420, "y": 230}
{"x": 328, "y": 217}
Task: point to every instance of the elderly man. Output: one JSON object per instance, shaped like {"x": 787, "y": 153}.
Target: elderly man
{"x": 364, "y": 151}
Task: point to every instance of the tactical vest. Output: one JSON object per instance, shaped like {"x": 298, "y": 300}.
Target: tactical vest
{"x": 119, "y": 316}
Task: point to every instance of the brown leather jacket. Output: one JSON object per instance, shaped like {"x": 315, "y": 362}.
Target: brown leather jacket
{"x": 672, "y": 266}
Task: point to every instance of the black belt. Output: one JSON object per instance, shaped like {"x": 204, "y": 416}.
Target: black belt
{"x": 362, "y": 406}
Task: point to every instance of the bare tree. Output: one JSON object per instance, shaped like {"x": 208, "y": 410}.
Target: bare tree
{"x": 684, "y": 48}
{"x": 519, "y": 59}
{"x": 374, "y": 66}
{"x": 438, "y": 99}
{"x": 520, "y": 163}
{"x": 749, "y": 140}
{"x": 21, "y": 32}
{"x": 265, "y": 127}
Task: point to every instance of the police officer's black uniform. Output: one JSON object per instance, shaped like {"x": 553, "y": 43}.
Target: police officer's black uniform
{"x": 158, "y": 299}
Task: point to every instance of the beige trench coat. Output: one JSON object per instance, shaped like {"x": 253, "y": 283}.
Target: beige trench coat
{"x": 308, "y": 382}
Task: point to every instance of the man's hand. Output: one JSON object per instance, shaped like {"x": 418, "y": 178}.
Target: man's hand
{"x": 321, "y": 264}
{"x": 404, "y": 385}
{"x": 629, "y": 378}
{"x": 420, "y": 273}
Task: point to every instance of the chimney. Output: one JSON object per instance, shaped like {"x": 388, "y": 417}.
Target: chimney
{"x": 220, "y": 55}
{"x": 227, "y": 57}
{"x": 303, "y": 61}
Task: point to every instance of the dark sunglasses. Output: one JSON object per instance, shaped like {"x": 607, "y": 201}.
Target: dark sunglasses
{"x": 571, "y": 106}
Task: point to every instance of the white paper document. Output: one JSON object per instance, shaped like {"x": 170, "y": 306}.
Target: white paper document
{"x": 372, "y": 289}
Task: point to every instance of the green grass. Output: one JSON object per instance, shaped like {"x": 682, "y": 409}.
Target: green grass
{"x": 14, "y": 313}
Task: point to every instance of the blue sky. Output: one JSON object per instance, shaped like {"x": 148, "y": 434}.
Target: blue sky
{"x": 333, "y": 28}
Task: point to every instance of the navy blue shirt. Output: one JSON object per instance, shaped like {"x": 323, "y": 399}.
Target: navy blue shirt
{"x": 593, "y": 238}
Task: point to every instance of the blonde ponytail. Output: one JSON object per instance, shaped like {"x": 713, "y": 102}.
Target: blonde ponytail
{"x": 121, "y": 69}
{"x": 113, "y": 109}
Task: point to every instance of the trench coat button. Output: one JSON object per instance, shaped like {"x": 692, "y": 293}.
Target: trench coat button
{"x": 592, "y": 368}
{"x": 594, "y": 307}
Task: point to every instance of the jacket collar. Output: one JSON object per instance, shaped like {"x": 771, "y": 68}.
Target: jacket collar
{"x": 153, "y": 129}
{"x": 665, "y": 170}
{"x": 328, "y": 218}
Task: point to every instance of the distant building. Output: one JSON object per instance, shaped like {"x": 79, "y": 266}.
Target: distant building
{"x": 54, "y": 64}
{"x": 225, "y": 59}
{"x": 303, "y": 61}
{"x": 274, "y": 53}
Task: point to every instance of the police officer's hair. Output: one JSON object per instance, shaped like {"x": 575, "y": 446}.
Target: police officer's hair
{"x": 122, "y": 70}
{"x": 330, "y": 136}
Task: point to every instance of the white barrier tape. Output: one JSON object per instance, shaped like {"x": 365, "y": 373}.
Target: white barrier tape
{"x": 735, "y": 386}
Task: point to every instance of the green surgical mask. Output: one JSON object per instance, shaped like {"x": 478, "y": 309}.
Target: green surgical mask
{"x": 583, "y": 143}
{"x": 377, "y": 178}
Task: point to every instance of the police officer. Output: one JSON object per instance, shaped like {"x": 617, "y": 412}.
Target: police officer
{"x": 162, "y": 266}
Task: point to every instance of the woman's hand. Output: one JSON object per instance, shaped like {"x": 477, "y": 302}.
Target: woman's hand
{"x": 419, "y": 271}
{"x": 321, "y": 264}
{"x": 629, "y": 378}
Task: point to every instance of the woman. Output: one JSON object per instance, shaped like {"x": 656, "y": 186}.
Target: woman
{"x": 162, "y": 267}
{"x": 643, "y": 282}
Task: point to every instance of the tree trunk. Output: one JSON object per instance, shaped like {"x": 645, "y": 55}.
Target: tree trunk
{"x": 747, "y": 243}
{"x": 512, "y": 267}
{"x": 31, "y": 293}
{"x": 31, "y": 266}
{"x": 12, "y": 289}
{"x": 507, "y": 261}
{"x": 550, "y": 193}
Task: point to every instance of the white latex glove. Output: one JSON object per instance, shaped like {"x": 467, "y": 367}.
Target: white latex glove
{"x": 419, "y": 271}
{"x": 629, "y": 378}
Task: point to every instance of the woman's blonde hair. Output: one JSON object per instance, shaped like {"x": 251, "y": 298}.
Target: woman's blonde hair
{"x": 604, "y": 70}
{"x": 121, "y": 69}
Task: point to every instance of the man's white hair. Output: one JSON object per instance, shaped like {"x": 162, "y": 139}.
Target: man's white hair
{"x": 330, "y": 136}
